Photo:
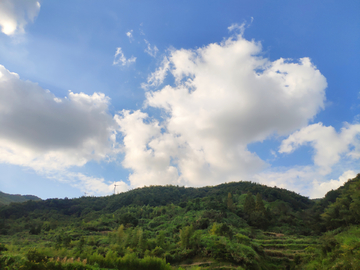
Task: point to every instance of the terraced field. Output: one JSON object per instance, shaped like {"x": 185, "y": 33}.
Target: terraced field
{"x": 285, "y": 251}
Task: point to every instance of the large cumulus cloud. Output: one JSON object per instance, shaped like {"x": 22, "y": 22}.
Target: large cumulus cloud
{"x": 51, "y": 134}
{"x": 224, "y": 96}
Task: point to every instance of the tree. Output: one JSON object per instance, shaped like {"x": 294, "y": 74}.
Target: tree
{"x": 249, "y": 205}
{"x": 66, "y": 240}
{"x": 120, "y": 234}
{"x": 345, "y": 210}
{"x": 81, "y": 244}
{"x": 230, "y": 203}
{"x": 2, "y": 248}
{"x": 58, "y": 241}
{"x": 185, "y": 235}
{"x": 160, "y": 239}
{"x": 259, "y": 205}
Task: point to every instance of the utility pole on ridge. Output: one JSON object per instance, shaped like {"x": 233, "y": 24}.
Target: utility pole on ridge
{"x": 115, "y": 185}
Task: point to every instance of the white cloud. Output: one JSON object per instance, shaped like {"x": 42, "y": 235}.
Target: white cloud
{"x": 306, "y": 180}
{"x": 150, "y": 167}
{"x": 319, "y": 189}
{"x": 119, "y": 58}
{"x": 88, "y": 184}
{"x": 327, "y": 143}
{"x": 225, "y": 96}
{"x": 130, "y": 35}
{"x": 273, "y": 153}
{"x": 298, "y": 179}
{"x": 51, "y": 134}
{"x": 15, "y": 14}
{"x": 157, "y": 78}
{"x": 335, "y": 154}
{"x": 151, "y": 51}
{"x": 235, "y": 26}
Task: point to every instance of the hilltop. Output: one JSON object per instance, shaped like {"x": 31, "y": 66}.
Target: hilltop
{"x": 10, "y": 198}
{"x": 240, "y": 224}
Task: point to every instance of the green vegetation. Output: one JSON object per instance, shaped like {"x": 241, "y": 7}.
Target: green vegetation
{"x": 240, "y": 225}
{"x": 8, "y": 198}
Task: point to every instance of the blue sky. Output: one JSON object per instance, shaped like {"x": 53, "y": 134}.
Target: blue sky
{"x": 189, "y": 93}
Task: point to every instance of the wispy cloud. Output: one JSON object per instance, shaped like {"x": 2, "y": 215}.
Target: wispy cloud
{"x": 120, "y": 58}
{"x": 130, "y": 36}
{"x": 152, "y": 51}
{"x": 239, "y": 27}
{"x": 157, "y": 78}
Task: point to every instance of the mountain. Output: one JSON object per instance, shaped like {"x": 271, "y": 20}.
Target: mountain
{"x": 240, "y": 225}
{"x": 154, "y": 196}
{"x": 10, "y": 198}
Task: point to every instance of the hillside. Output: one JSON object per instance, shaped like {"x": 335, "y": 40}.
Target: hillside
{"x": 232, "y": 225}
{"x": 9, "y": 198}
{"x": 159, "y": 196}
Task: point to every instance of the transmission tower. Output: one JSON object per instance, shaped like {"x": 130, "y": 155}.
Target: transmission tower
{"x": 115, "y": 185}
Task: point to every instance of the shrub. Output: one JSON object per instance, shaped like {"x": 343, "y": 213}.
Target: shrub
{"x": 35, "y": 256}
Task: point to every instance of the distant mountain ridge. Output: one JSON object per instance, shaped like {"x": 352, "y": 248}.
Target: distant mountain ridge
{"x": 156, "y": 196}
{"x": 9, "y": 198}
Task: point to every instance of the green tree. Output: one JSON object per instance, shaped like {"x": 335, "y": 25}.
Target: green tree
{"x": 355, "y": 207}
{"x": 230, "y": 202}
{"x": 142, "y": 240}
{"x": 2, "y": 248}
{"x": 215, "y": 229}
{"x": 58, "y": 241}
{"x": 35, "y": 256}
{"x": 249, "y": 205}
{"x": 185, "y": 235}
{"x": 259, "y": 205}
{"x": 120, "y": 235}
{"x": 345, "y": 210}
{"x": 160, "y": 239}
{"x": 66, "y": 240}
{"x": 81, "y": 244}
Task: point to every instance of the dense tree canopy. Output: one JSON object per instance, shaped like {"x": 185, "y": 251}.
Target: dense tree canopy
{"x": 222, "y": 224}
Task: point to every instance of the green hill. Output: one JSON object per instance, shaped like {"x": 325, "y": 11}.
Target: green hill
{"x": 240, "y": 225}
{"x": 9, "y": 198}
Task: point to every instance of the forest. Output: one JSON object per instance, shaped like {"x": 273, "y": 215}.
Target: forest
{"x": 9, "y": 198}
{"x": 239, "y": 225}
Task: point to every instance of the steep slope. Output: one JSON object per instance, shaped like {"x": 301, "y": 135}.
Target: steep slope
{"x": 339, "y": 246}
